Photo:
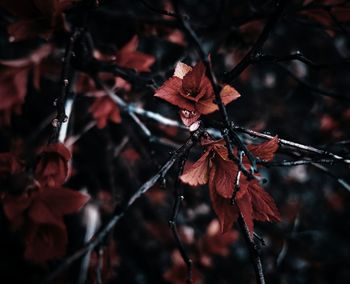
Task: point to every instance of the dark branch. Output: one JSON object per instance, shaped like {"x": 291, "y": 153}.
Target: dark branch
{"x": 247, "y": 59}
{"x": 295, "y": 145}
{"x": 172, "y": 222}
{"x": 264, "y": 58}
{"x": 66, "y": 83}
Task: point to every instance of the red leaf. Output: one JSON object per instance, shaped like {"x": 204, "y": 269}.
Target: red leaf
{"x": 227, "y": 214}
{"x": 198, "y": 173}
{"x": 62, "y": 201}
{"x": 264, "y": 207}
{"x": 129, "y": 57}
{"x": 191, "y": 81}
{"x": 206, "y": 106}
{"x": 265, "y": 151}
{"x": 181, "y": 70}
{"x": 191, "y": 91}
{"x": 228, "y": 94}
{"x": 104, "y": 109}
{"x": 224, "y": 179}
{"x": 169, "y": 92}
{"x": 41, "y": 213}
{"x": 245, "y": 206}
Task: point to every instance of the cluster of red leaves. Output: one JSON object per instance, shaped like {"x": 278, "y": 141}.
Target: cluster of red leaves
{"x": 37, "y": 211}
{"x": 35, "y": 17}
{"x": 104, "y": 108}
{"x": 14, "y": 79}
{"x": 216, "y": 169}
{"x": 190, "y": 89}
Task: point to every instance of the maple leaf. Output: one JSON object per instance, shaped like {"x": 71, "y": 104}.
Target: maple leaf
{"x": 39, "y": 214}
{"x": 35, "y": 17}
{"x": 191, "y": 91}
{"x": 52, "y": 167}
{"x": 216, "y": 169}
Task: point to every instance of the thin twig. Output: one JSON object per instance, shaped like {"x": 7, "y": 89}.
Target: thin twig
{"x": 158, "y": 11}
{"x": 247, "y": 59}
{"x": 296, "y": 163}
{"x": 263, "y": 58}
{"x": 66, "y": 83}
{"x": 292, "y": 144}
{"x": 172, "y": 221}
{"x": 253, "y": 248}
{"x": 99, "y": 266}
{"x": 312, "y": 88}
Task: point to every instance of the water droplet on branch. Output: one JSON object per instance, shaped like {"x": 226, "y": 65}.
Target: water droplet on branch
{"x": 55, "y": 122}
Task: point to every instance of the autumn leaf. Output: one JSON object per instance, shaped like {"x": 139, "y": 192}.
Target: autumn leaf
{"x": 215, "y": 168}
{"x": 198, "y": 173}
{"x": 191, "y": 91}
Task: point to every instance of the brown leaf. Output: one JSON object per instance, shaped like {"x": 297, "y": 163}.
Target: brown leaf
{"x": 198, "y": 173}
{"x": 265, "y": 151}
{"x": 227, "y": 214}
{"x": 264, "y": 207}
{"x": 169, "y": 92}
{"x": 228, "y": 94}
